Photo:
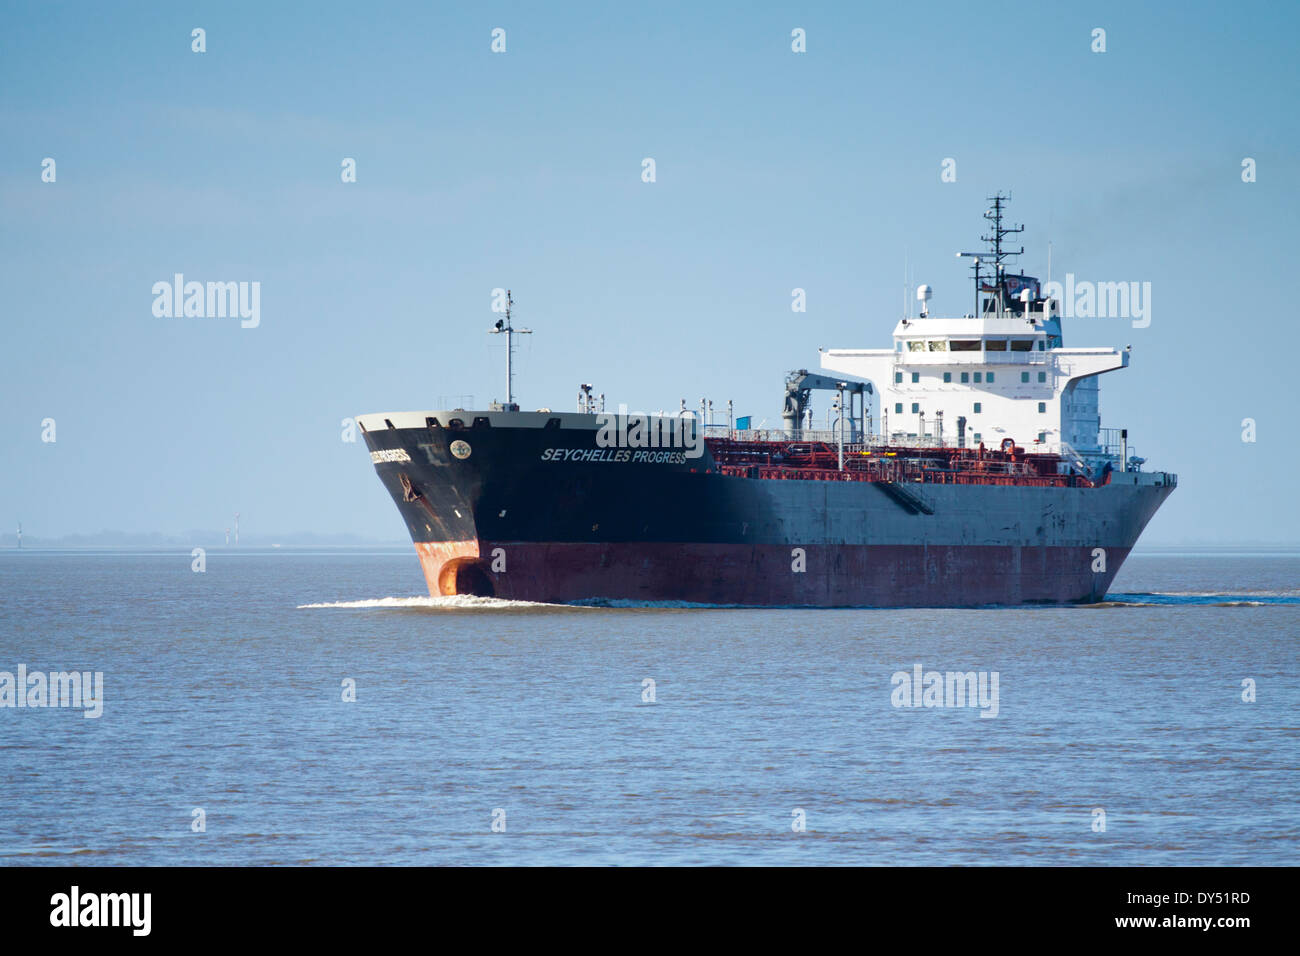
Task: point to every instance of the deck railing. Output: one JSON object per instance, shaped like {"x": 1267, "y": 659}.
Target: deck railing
{"x": 818, "y": 460}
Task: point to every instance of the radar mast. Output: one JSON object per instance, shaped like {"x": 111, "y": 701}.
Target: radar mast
{"x": 504, "y": 325}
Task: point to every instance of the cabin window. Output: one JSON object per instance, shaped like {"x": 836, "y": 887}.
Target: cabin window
{"x": 1042, "y": 436}
{"x": 1042, "y": 376}
{"x": 978, "y": 377}
{"x": 898, "y": 408}
{"x": 1022, "y": 345}
{"x": 995, "y": 345}
{"x": 1024, "y": 376}
{"x": 1042, "y": 408}
{"x": 959, "y": 345}
{"x": 965, "y": 377}
{"x": 990, "y": 378}
{"x": 979, "y": 407}
{"x": 916, "y": 407}
{"x": 898, "y": 378}
{"x": 939, "y": 345}
{"x": 979, "y": 437}
{"x": 916, "y": 377}
{"x": 947, "y": 377}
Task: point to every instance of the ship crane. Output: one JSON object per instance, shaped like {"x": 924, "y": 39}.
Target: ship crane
{"x": 798, "y": 391}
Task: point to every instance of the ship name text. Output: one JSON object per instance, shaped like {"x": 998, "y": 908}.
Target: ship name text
{"x": 615, "y": 455}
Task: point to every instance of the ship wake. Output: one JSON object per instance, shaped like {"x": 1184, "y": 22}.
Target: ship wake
{"x": 1190, "y": 599}
{"x": 455, "y": 602}
{"x": 468, "y": 602}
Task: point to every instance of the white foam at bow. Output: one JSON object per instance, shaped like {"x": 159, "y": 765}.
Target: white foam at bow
{"x": 452, "y": 602}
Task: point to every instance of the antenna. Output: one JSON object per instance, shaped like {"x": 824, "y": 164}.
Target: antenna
{"x": 510, "y": 332}
{"x": 994, "y": 216}
{"x": 976, "y": 256}
{"x": 907, "y": 289}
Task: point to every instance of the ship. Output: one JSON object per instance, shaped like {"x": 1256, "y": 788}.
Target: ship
{"x": 965, "y": 466}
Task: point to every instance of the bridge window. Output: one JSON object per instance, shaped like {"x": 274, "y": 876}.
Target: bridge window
{"x": 1022, "y": 345}
{"x": 995, "y": 345}
{"x": 916, "y": 346}
{"x": 961, "y": 345}
{"x": 939, "y": 345}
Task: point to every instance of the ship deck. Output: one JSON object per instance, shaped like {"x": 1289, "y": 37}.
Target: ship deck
{"x": 796, "y": 460}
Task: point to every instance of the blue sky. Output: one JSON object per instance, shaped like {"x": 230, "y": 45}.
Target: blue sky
{"x": 476, "y": 170}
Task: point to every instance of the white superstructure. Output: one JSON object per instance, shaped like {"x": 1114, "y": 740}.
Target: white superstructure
{"x": 971, "y": 380}
{"x": 1004, "y": 374}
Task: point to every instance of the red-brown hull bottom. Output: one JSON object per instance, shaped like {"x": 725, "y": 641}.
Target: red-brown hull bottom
{"x": 766, "y": 575}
